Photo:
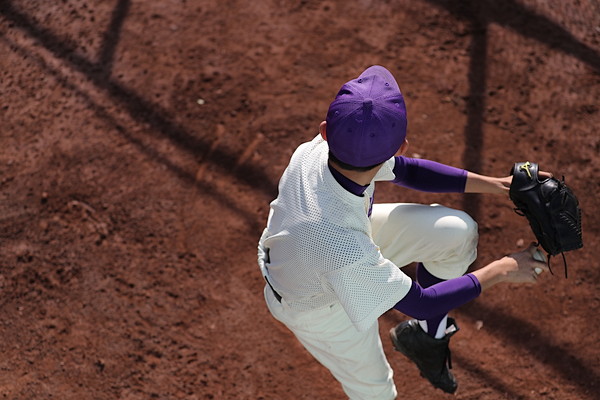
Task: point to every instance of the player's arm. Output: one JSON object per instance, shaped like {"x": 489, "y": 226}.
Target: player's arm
{"x": 423, "y": 303}
{"x": 431, "y": 176}
{"x": 515, "y": 268}
{"x": 486, "y": 184}
{"x": 428, "y": 176}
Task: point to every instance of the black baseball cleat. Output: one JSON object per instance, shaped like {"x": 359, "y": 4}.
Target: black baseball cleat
{"x": 432, "y": 356}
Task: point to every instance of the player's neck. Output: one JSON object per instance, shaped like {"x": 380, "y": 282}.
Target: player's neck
{"x": 361, "y": 178}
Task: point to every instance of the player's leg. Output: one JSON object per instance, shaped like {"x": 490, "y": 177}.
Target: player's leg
{"x": 355, "y": 359}
{"x": 445, "y": 240}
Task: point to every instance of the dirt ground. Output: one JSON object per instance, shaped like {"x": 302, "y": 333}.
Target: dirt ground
{"x": 141, "y": 143}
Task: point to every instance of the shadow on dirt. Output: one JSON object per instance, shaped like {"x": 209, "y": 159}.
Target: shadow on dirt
{"x": 527, "y": 336}
{"x": 140, "y": 109}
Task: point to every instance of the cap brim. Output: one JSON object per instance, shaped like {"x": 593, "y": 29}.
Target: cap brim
{"x": 381, "y": 72}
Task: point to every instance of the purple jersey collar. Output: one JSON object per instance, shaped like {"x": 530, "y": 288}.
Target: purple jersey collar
{"x": 346, "y": 183}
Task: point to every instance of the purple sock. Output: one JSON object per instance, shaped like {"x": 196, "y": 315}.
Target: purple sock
{"x": 425, "y": 279}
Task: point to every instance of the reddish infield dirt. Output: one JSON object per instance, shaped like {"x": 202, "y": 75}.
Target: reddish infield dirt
{"x": 142, "y": 143}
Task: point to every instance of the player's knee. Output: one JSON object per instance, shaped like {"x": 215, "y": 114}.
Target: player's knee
{"x": 459, "y": 227}
{"x": 466, "y": 247}
{"x": 468, "y": 237}
{"x": 470, "y": 229}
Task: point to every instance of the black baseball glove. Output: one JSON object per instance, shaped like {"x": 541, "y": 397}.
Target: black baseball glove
{"x": 551, "y": 208}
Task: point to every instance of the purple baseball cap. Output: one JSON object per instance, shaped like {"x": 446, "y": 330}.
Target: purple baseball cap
{"x": 366, "y": 123}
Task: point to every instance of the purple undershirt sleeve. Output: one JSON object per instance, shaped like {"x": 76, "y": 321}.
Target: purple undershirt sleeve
{"x": 440, "y": 298}
{"x": 429, "y": 176}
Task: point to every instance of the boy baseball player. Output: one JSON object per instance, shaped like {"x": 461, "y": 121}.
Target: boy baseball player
{"x": 331, "y": 257}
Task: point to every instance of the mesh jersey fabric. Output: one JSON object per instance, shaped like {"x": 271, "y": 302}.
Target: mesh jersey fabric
{"x": 317, "y": 248}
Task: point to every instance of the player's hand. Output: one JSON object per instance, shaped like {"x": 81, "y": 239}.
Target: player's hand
{"x": 504, "y": 183}
{"x": 522, "y": 267}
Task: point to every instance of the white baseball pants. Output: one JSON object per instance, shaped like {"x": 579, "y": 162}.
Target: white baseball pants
{"x": 443, "y": 239}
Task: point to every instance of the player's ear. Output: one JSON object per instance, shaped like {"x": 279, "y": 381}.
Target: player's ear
{"x": 403, "y": 148}
{"x": 323, "y": 130}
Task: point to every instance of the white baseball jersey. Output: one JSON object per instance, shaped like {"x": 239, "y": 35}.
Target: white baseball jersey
{"x": 317, "y": 248}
